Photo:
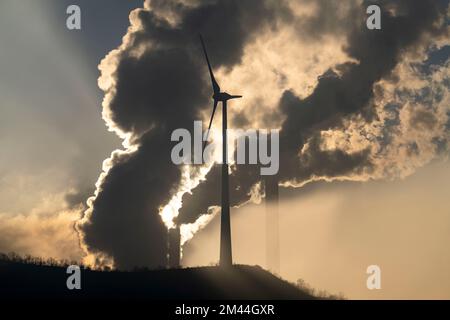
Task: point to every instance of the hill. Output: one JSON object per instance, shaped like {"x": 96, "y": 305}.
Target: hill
{"x": 21, "y": 280}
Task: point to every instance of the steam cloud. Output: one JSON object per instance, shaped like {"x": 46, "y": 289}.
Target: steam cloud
{"x": 350, "y": 123}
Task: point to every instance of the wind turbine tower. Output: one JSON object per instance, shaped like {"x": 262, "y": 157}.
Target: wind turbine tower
{"x": 226, "y": 259}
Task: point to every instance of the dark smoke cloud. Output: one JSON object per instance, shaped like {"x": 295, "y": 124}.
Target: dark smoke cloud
{"x": 331, "y": 18}
{"x": 335, "y": 97}
{"x": 161, "y": 84}
{"x": 157, "y": 91}
{"x": 208, "y": 192}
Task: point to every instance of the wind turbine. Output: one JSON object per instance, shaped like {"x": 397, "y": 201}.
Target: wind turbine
{"x": 225, "y": 225}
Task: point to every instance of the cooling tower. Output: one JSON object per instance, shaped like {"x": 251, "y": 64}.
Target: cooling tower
{"x": 174, "y": 248}
{"x": 272, "y": 224}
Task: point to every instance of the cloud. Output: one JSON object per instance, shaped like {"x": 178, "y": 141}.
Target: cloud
{"x": 46, "y": 231}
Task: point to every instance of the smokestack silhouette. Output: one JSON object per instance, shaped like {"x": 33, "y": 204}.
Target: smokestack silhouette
{"x": 174, "y": 248}
{"x": 272, "y": 224}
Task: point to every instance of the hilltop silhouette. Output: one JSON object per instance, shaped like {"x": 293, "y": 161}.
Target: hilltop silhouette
{"x": 46, "y": 279}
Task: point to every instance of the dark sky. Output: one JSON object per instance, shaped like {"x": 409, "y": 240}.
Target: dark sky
{"x": 50, "y": 97}
{"x": 104, "y": 22}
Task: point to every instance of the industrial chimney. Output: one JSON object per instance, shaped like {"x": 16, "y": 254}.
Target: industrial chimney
{"x": 272, "y": 224}
{"x": 174, "y": 248}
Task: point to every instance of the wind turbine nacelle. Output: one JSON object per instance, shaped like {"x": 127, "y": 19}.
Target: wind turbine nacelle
{"x": 223, "y": 96}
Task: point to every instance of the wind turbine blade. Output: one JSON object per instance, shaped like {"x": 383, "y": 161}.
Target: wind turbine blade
{"x": 215, "y": 85}
{"x": 210, "y": 123}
